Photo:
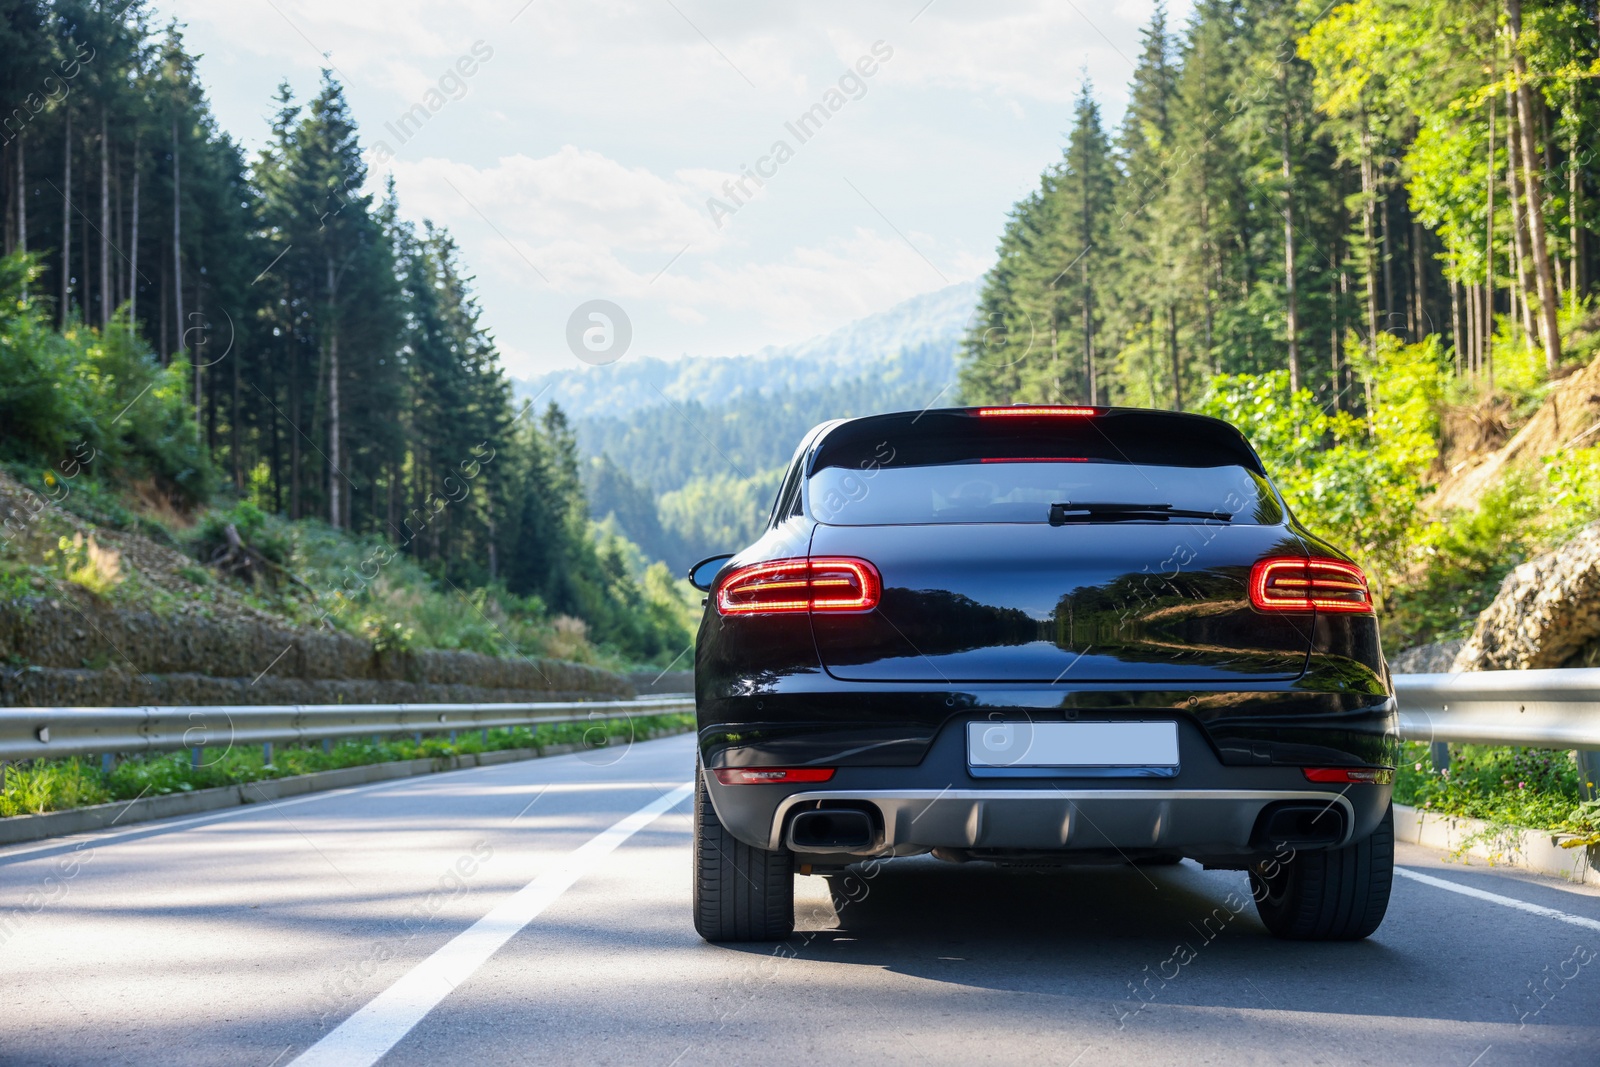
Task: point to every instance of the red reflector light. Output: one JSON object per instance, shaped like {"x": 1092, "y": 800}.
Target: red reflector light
{"x": 819, "y": 584}
{"x": 1287, "y": 584}
{"x": 1341, "y": 775}
{"x": 1037, "y": 410}
{"x": 758, "y": 775}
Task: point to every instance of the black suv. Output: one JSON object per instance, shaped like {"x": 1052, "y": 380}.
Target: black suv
{"x": 1040, "y": 635}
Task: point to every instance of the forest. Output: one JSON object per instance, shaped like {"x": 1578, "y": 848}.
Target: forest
{"x": 1287, "y": 187}
{"x": 1363, "y": 232}
{"x": 689, "y": 479}
{"x": 201, "y": 328}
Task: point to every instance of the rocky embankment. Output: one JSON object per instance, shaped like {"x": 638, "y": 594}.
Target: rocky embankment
{"x": 1547, "y": 613}
{"x": 1436, "y": 658}
{"x": 75, "y": 652}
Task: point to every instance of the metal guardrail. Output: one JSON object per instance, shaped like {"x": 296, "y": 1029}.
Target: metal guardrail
{"x": 1557, "y": 709}
{"x": 1536, "y": 709}
{"x": 49, "y": 733}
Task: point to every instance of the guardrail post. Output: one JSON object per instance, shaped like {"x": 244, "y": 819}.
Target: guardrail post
{"x": 1439, "y": 752}
{"x": 1588, "y": 773}
{"x": 327, "y": 744}
{"x": 106, "y": 763}
{"x": 194, "y": 757}
{"x": 485, "y": 737}
{"x": 266, "y": 752}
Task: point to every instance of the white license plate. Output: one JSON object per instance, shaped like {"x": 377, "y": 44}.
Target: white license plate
{"x": 1072, "y": 744}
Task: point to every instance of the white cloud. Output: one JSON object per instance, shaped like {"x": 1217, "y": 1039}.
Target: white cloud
{"x": 834, "y": 281}
{"x": 573, "y": 206}
{"x": 591, "y": 224}
{"x": 687, "y": 315}
{"x": 593, "y": 138}
{"x": 1034, "y": 50}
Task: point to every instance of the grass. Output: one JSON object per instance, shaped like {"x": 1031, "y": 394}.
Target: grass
{"x": 357, "y": 584}
{"x": 55, "y": 785}
{"x": 1536, "y": 789}
{"x": 362, "y": 585}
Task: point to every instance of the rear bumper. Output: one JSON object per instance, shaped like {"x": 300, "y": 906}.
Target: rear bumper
{"x": 1209, "y": 810}
{"x": 1209, "y": 822}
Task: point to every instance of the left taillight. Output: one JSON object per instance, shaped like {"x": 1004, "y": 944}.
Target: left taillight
{"x": 1317, "y": 584}
{"x": 784, "y": 586}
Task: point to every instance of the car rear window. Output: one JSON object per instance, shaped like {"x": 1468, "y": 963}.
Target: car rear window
{"x": 1024, "y": 492}
{"x": 956, "y": 467}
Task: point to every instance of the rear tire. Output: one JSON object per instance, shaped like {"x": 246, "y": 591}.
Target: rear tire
{"x": 1337, "y": 894}
{"x": 741, "y": 893}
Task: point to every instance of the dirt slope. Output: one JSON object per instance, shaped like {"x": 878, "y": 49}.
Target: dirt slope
{"x": 1568, "y": 418}
{"x": 165, "y": 638}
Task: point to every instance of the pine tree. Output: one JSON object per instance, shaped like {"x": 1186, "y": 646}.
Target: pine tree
{"x": 1084, "y": 191}
{"x": 1145, "y": 309}
{"x": 339, "y": 304}
{"x": 1005, "y": 330}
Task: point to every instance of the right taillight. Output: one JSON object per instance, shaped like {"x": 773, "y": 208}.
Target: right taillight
{"x": 1343, "y": 775}
{"x": 1316, "y": 584}
{"x": 769, "y": 775}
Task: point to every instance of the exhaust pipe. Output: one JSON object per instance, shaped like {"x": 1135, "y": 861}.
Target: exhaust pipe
{"x": 1300, "y": 825}
{"x": 848, "y": 830}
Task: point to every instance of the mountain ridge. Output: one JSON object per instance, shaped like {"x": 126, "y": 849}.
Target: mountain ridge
{"x": 938, "y": 319}
{"x": 683, "y": 457}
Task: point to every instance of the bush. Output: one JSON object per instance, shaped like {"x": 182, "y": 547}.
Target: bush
{"x": 86, "y": 563}
{"x": 363, "y": 585}
{"x": 1533, "y": 788}
{"x": 250, "y": 522}
{"x": 1585, "y": 823}
{"x": 80, "y": 400}
{"x": 1358, "y": 483}
{"x": 48, "y": 785}
{"x": 645, "y": 622}
{"x": 1573, "y": 496}
{"x": 1460, "y": 564}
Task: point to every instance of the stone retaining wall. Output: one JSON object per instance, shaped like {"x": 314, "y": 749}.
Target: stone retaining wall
{"x": 64, "y": 654}
{"x": 34, "y": 687}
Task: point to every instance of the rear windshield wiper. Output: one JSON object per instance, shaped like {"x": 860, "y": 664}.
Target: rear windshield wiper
{"x": 1070, "y": 511}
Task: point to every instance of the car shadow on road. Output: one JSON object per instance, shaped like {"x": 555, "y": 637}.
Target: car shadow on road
{"x": 1124, "y": 935}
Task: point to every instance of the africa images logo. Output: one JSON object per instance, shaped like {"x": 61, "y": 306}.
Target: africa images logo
{"x": 599, "y": 332}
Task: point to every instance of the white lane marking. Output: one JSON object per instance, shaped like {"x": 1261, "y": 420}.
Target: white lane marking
{"x": 1496, "y": 898}
{"x": 372, "y": 1031}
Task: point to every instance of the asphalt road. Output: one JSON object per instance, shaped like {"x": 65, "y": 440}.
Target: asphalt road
{"x": 539, "y": 913}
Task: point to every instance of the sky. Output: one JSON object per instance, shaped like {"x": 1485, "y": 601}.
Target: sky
{"x": 652, "y": 153}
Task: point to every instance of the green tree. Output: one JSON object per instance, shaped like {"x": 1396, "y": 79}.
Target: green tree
{"x": 1145, "y": 313}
